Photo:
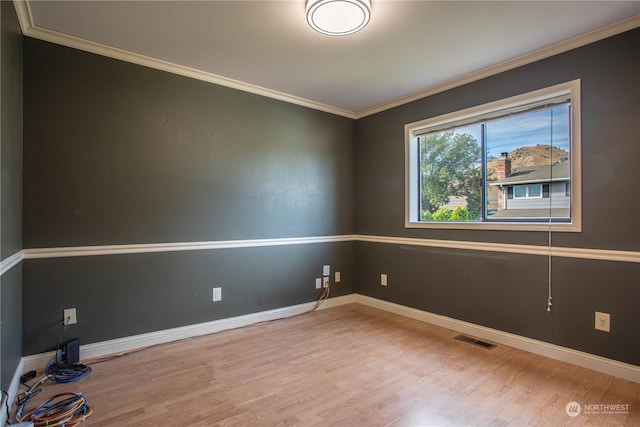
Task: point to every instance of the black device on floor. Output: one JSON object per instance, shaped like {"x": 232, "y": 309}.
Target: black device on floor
{"x": 70, "y": 352}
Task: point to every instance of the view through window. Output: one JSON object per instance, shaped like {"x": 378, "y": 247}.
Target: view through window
{"x": 509, "y": 162}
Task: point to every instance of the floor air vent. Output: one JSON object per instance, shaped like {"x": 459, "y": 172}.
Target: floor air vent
{"x": 470, "y": 340}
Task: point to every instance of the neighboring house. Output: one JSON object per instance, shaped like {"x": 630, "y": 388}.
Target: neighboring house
{"x": 538, "y": 191}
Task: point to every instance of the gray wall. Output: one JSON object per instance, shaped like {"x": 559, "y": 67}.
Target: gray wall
{"x": 116, "y": 153}
{"x": 10, "y": 192}
{"x": 508, "y": 291}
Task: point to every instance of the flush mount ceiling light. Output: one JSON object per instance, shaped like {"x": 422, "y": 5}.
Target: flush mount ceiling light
{"x": 338, "y": 17}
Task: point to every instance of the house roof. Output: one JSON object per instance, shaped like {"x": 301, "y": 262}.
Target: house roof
{"x": 536, "y": 174}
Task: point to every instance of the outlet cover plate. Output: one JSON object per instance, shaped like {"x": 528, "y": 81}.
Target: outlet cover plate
{"x": 217, "y": 294}
{"x": 603, "y": 321}
{"x": 69, "y": 316}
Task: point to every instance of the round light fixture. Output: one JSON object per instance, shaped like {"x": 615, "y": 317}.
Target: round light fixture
{"x": 338, "y": 17}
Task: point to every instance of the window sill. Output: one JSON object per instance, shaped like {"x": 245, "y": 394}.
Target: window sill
{"x": 571, "y": 227}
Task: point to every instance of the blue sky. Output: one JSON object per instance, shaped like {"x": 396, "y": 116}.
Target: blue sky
{"x": 545, "y": 127}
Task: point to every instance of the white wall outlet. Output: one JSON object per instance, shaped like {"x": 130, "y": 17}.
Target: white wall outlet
{"x": 603, "y": 321}
{"x": 318, "y": 283}
{"x": 325, "y": 282}
{"x": 217, "y": 294}
{"x": 326, "y": 270}
{"x": 337, "y": 277}
{"x": 383, "y": 279}
{"x": 69, "y": 316}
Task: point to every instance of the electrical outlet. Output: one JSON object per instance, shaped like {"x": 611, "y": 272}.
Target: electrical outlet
{"x": 69, "y": 316}
{"x": 603, "y": 321}
{"x": 337, "y": 277}
{"x": 318, "y": 283}
{"x": 383, "y": 279}
{"x": 325, "y": 282}
{"x": 326, "y": 270}
{"x": 217, "y": 294}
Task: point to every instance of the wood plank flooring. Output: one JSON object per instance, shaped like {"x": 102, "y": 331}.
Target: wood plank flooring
{"x": 345, "y": 366}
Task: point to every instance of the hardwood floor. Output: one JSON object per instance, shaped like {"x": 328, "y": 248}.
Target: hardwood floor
{"x": 345, "y": 366}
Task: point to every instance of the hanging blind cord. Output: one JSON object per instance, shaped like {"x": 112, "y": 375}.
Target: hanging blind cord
{"x": 549, "y": 298}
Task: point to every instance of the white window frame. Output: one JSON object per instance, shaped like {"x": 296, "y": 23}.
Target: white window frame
{"x": 527, "y": 195}
{"x": 458, "y": 118}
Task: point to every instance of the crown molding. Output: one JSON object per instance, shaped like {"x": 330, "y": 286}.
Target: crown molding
{"x": 30, "y": 30}
{"x": 540, "y": 54}
{"x": 24, "y": 15}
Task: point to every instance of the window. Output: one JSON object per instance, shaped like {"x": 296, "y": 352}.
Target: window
{"x": 528, "y": 191}
{"x": 510, "y": 164}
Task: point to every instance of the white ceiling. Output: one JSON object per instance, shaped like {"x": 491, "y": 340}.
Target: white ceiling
{"x": 409, "y": 47}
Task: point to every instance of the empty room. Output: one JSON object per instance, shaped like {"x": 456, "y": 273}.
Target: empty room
{"x": 320, "y": 213}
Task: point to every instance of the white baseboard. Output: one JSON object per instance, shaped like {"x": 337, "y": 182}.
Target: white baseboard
{"x": 103, "y": 348}
{"x": 579, "y": 358}
{"x": 564, "y": 354}
{"x": 12, "y": 392}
